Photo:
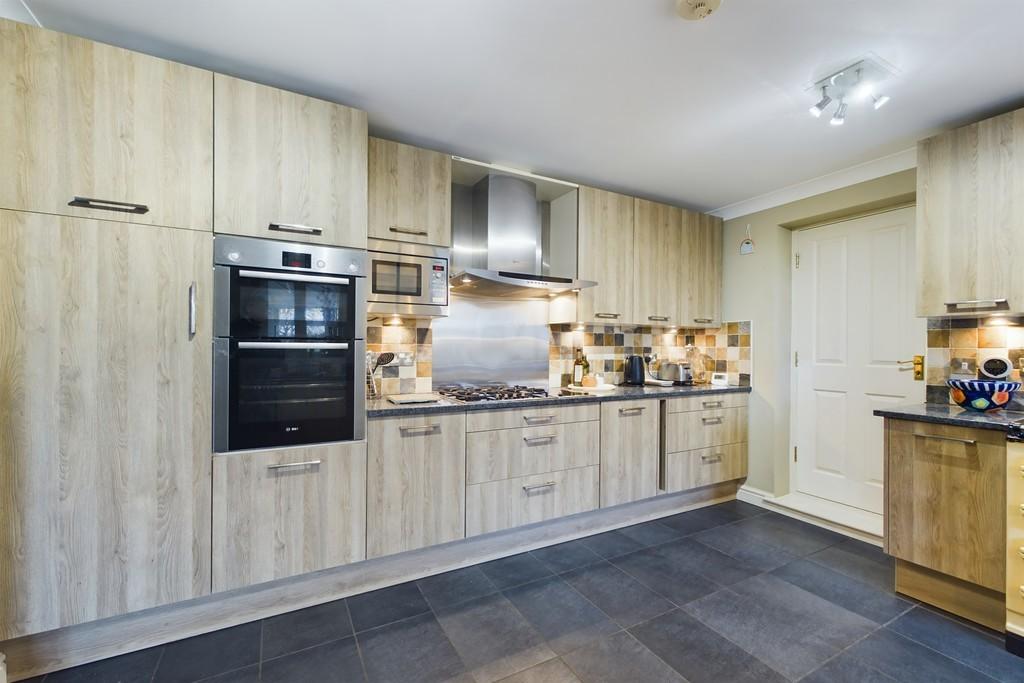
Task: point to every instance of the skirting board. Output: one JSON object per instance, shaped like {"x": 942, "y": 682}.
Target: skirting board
{"x": 74, "y": 645}
{"x": 755, "y": 496}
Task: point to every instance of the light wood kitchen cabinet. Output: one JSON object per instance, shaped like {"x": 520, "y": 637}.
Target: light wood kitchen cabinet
{"x": 606, "y": 257}
{"x": 104, "y": 419}
{"x": 409, "y": 194}
{"x": 969, "y": 187}
{"x": 1015, "y": 538}
{"x": 656, "y": 263}
{"x": 700, "y": 271}
{"x": 416, "y": 482}
{"x": 288, "y": 166}
{"x": 705, "y": 440}
{"x": 87, "y": 120}
{"x": 506, "y": 503}
{"x": 690, "y": 469}
{"x": 285, "y": 512}
{"x": 945, "y": 500}
{"x": 629, "y": 451}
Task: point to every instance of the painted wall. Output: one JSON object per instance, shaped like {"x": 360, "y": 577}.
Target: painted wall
{"x": 756, "y": 287}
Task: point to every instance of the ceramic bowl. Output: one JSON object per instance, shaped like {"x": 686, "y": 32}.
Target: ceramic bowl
{"x": 981, "y": 395}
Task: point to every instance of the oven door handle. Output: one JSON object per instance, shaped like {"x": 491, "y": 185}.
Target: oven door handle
{"x": 292, "y": 345}
{"x": 261, "y": 275}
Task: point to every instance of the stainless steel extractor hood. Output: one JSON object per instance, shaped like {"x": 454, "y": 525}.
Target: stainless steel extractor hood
{"x": 513, "y": 234}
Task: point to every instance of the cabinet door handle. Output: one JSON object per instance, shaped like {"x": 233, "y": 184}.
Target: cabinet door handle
{"x": 192, "y": 310}
{"x": 544, "y": 437}
{"x": 658, "y": 318}
{"x": 711, "y": 420}
{"x": 538, "y": 418}
{"x": 703, "y": 320}
{"x": 632, "y": 411}
{"x": 419, "y": 428}
{"x": 607, "y": 315}
{"x": 108, "y": 205}
{"x": 976, "y": 303}
{"x": 709, "y": 459}
{"x": 535, "y": 487}
{"x": 712, "y": 404}
{"x": 289, "y": 465}
{"x": 295, "y": 227}
{"x": 966, "y": 442}
{"x": 408, "y": 231}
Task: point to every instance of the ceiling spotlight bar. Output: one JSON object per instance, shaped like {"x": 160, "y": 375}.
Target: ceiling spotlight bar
{"x": 854, "y": 83}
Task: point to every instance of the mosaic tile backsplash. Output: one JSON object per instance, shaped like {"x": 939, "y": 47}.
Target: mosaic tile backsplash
{"x": 957, "y": 345}
{"x": 606, "y": 347}
{"x": 411, "y": 370}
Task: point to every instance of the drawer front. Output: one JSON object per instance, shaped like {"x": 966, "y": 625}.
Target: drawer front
{"x": 483, "y": 420}
{"x": 692, "y": 469}
{"x": 708, "y": 402}
{"x": 286, "y": 512}
{"x": 506, "y": 453}
{"x": 704, "y": 429}
{"x": 497, "y": 505}
{"x": 1015, "y": 527}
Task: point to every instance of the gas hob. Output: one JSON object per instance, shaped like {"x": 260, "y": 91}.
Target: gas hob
{"x": 491, "y": 392}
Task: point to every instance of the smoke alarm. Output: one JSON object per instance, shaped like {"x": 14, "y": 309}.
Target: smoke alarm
{"x": 695, "y": 10}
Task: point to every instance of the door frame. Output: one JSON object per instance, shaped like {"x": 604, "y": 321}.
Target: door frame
{"x": 794, "y": 413}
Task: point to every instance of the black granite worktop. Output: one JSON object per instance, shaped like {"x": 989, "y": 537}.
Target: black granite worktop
{"x": 953, "y": 415}
{"x": 381, "y": 407}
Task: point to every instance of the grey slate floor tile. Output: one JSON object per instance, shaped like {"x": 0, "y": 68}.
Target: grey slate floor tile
{"x": 334, "y": 662}
{"x": 699, "y": 558}
{"x": 618, "y": 594}
{"x": 618, "y": 659}
{"x": 866, "y": 600}
{"x": 209, "y": 654}
{"x": 566, "y": 556}
{"x": 792, "y": 536}
{"x": 650, "y": 533}
{"x": 791, "y": 630}
{"x": 846, "y": 669}
{"x": 515, "y": 570}
{"x": 414, "y": 650}
{"x": 562, "y": 616}
{"x": 130, "y": 668}
{"x": 248, "y": 674}
{"x": 551, "y": 671}
{"x": 910, "y": 662}
{"x": 699, "y": 654}
{"x": 861, "y": 561}
{"x": 456, "y": 586}
{"x": 612, "y": 544}
{"x": 664, "y": 576}
{"x": 493, "y": 638}
{"x": 686, "y": 523}
{"x": 305, "y": 628}
{"x": 376, "y": 608}
{"x": 977, "y": 649}
{"x": 735, "y": 543}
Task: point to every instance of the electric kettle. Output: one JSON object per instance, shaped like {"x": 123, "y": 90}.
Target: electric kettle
{"x": 635, "y": 373}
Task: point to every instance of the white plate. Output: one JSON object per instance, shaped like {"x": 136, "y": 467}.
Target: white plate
{"x": 599, "y": 389}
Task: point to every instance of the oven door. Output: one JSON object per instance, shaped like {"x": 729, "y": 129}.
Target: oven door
{"x": 281, "y": 393}
{"x": 270, "y": 304}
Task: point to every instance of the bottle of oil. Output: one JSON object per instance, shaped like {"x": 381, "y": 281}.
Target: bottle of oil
{"x": 577, "y": 368}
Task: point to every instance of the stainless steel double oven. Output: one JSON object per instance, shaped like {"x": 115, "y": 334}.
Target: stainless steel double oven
{"x": 289, "y": 344}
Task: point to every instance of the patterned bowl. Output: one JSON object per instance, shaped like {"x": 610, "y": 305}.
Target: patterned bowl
{"x": 981, "y": 395}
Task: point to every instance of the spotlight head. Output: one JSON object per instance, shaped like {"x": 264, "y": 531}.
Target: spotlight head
{"x": 819, "y": 107}
{"x": 879, "y": 100}
{"x": 839, "y": 118}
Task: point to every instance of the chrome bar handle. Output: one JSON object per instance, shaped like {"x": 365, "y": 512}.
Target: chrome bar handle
{"x": 192, "y": 310}
{"x": 108, "y": 205}
{"x": 611, "y": 316}
{"x": 408, "y": 231}
{"x": 710, "y": 459}
{"x": 976, "y": 302}
{"x": 288, "y": 345}
{"x": 543, "y": 437}
{"x": 419, "y": 428}
{"x": 717, "y": 420}
{"x": 289, "y": 465}
{"x": 703, "y": 320}
{"x": 535, "y": 487}
{"x": 712, "y": 404}
{"x": 632, "y": 411}
{"x": 296, "y": 228}
{"x": 538, "y": 418}
{"x": 658, "y": 318}
{"x": 294, "y": 277}
{"x": 966, "y": 442}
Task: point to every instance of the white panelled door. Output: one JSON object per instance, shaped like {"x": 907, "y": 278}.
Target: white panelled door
{"x": 853, "y": 322}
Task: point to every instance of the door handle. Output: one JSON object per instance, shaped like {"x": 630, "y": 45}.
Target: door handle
{"x": 407, "y": 231}
{"x": 543, "y": 437}
{"x": 710, "y": 459}
{"x": 976, "y": 303}
{"x": 711, "y": 420}
{"x": 607, "y": 315}
{"x": 535, "y": 487}
{"x": 702, "y": 320}
{"x": 296, "y": 228}
{"x": 632, "y": 411}
{"x": 299, "y": 346}
{"x": 192, "y": 310}
{"x": 918, "y": 363}
{"x": 288, "y": 465}
{"x": 538, "y": 418}
{"x": 658, "y": 318}
{"x": 293, "y": 277}
{"x": 108, "y": 205}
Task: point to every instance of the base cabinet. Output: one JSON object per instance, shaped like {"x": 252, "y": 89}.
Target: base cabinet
{"x": 416, "y": 482}
{"x": 629, "y": 451}
{"x": 286, "y": 512}
{"x": 497, "y": 505}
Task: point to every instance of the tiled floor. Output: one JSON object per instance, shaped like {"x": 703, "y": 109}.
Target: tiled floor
{"x": 729, "y": 593}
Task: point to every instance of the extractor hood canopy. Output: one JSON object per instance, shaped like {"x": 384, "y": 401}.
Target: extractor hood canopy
{"x": 513, "y": 233}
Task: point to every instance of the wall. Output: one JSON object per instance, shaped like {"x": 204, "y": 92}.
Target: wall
{"x": 412, "y": 344}
{"x": 958, "y": 345}
{"x": 756, "y": 287}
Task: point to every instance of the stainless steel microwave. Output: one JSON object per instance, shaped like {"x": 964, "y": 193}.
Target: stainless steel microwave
{"x": 406, "y": 279}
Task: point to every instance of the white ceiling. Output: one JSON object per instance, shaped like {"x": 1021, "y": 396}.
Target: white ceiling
{"x": 616, "y": 93}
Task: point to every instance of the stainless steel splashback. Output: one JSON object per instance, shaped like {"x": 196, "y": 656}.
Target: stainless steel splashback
{"x": 488, "y": 340}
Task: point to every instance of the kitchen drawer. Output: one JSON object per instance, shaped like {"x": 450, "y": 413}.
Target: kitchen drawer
{"x": 703, "y": 429}
{"x": 707, "y": 402}
{"x": 285, "y": 512}
{"x": 483, "y": 420}
{"x": 1015, "y": 527}
{"x": 704, "y": 466}
{"x": 497, "y": 505}
{"x": 1015, "y": 569}
{"x": 505, "y": 453}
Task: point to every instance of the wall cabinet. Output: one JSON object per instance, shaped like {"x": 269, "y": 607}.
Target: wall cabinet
{"x": 629, "y": 451}
{"x": 104, "y": 419}
{"x": 285, "y": 512}
{"x": 288, "y": 166}
{"x": 700, "y": 271}
{"x": 606, "y": 256}
{"x": 409, "y": 194}
{"x": 656, "y": 263}
{"x": 970, "y": 204}
{"x": 416, "y": 482}
{"x": 84, "y": 119}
